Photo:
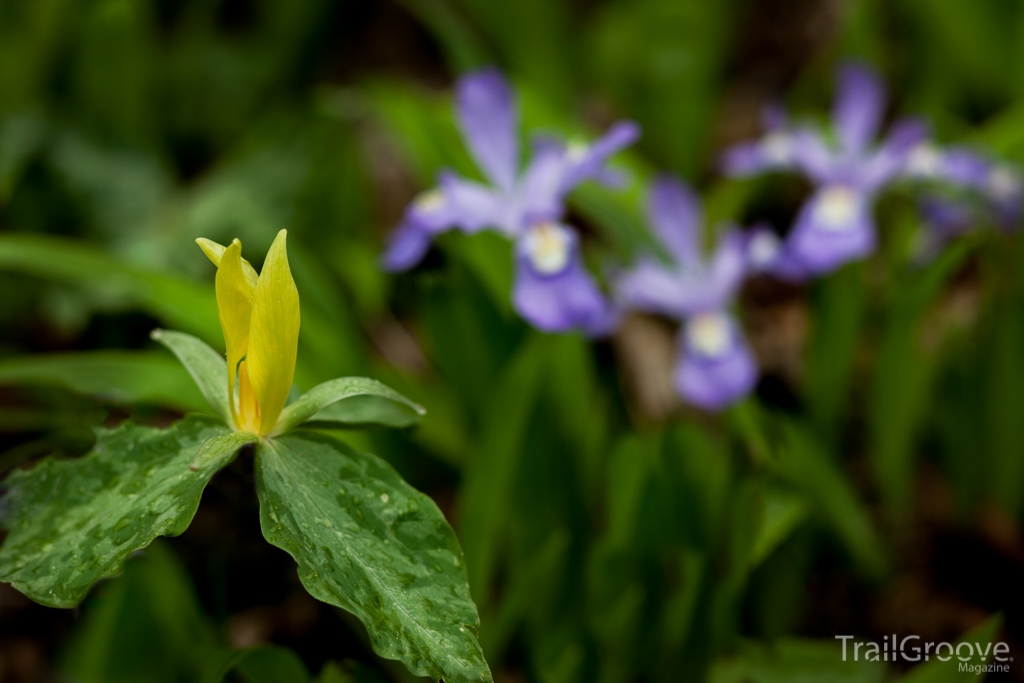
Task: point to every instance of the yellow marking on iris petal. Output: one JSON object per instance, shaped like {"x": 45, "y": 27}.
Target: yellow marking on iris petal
{"x": 274, "y": 334}
{"x": 234, "y": 305}
{"x": 215, "y": 252}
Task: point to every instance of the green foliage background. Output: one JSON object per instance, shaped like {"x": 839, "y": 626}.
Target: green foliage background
{"x": 604, "y": 542}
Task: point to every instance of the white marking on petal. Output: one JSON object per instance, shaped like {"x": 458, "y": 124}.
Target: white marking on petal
{"x": 709, "y": 334}
{"x": 836, "y": 208}
{"x": 429, "y": 201}
{"x": 925, "y": 161}
{"x": 1003, "y": 183}
{"x": 547, "y": 246}
{"x": 777, "y": 148}
{"x": 576, "y": 150}
{"x": 763, "y": 247}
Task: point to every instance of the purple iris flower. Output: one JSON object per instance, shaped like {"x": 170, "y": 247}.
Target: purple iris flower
{"x": 979, "y": 191}
{"x": 836, "y": 224}
{"x": 552, "y": 291}
{"x": 715, "y": 366}
{"x": 776, "y": 151}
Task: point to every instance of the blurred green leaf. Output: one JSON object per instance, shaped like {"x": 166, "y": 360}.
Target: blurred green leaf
{"x": 179, "y": 303}
{"x": 900, "y": 389}
{"x": 486, "y": 494}
{"x": 793, "y": 660}
{"x": 662, "y": 59}
{"x": 838, "y": 309}
{"x": 331, "y": 673}
{"x": 122, "y": 377}
{"x": 522, "y": 592}
{"x": 73, "y": 522}
{"x": 374, "y": 546}
{"x": 783, "y": 513}
{"x": 534, "y": 37}
{"x": 463, "y": 48}
{"x": 145, "y": 626}
{"x": 807, "y": 467}
{"x": 268, "y": 664}
{"x": 936, "y": 671}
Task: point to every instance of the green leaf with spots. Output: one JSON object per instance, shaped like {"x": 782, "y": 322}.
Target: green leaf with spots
{"x": 73, "y": 522}
{"x": 371, "y": 544}
{"x": 221, "y": 449}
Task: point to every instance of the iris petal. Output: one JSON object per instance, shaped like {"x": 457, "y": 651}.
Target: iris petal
{"x": 274, "y": 334}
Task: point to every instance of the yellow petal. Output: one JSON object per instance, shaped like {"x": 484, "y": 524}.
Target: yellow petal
{"x": 274, "y": 334}
{"x": 234, "y": 304}
{"x": 215, "y": 253}
{"x": 248, "y": 410}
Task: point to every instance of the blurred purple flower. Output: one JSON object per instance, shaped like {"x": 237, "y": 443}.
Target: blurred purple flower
{"x": 773, "y": 152}
{"x": 552, "y": 291}
{"x": 715, "y": 366}
{"x": 978, "y": 191}
{"x": 836, "y": 224}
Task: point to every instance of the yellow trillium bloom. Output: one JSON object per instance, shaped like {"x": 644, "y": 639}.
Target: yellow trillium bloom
{"x": 259, "y": 315}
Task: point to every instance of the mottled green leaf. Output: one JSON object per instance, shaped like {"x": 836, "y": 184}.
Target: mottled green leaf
{"x": 206, "y": 366}
{"x": 368, "y": 542}
{"x": 334, "y": 393}
{"x": 73, "y": 522}
{"x": 219, "y": 450}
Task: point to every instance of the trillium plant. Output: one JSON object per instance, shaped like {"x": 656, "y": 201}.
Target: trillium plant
{"x": 363, "y": 539}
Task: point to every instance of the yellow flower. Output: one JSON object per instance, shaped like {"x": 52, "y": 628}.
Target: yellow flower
{"x": 259, "y": 315}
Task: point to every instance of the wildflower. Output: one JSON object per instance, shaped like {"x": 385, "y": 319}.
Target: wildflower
{"x": 259, "y": 316}
{"x": 966, "y": 190}
{"x": 836, "y": 225}
{"x": 553, "y": 291}
{"x": 776, "y": 151}
{"x": 715, "y": 366}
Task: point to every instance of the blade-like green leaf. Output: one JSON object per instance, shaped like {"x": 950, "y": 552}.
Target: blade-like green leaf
{"x": 806, "y": 466}
{"x": 172, "y": 299}
{"x": 368, "y": 542}
{"x": 73, "y": 522}
{"x": 792, "y": 659}
{"x": 783, "y": 513}
{"x": 266, "y": 664}
{"x": 120, "y": 377}
{"x": 147, "y": 625}
{"x": 207, "y": 367}
{"x": 938, "y": 671}
{"x": 312, "y": 403}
